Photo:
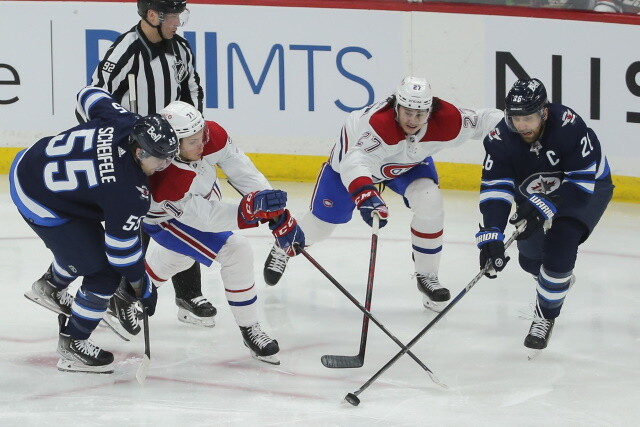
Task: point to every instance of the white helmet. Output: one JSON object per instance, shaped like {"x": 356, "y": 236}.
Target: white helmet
{"x": 184, "y": 118}
{"x": 414, "y": 93}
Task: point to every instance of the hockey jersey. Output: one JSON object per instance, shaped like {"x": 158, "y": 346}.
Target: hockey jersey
{"x": 88, "y": 173}
{"x": 188, "y": 191}
{"x": 373, "y": 147}
{"x": 567, "y": 160}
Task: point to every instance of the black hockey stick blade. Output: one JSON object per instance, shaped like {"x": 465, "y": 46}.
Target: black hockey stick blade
{"x": 335, "y": 361}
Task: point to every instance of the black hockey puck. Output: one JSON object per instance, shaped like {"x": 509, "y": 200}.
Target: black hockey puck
{"x": 352, "y": 398}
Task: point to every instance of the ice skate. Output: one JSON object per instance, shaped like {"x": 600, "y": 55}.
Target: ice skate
{"x": 43, "y": 292}
{"x": 434, "y": 296}
{"x": 124, "y": 315}
{"x": 275, "y": 265}
{"x": 81, "y": 355}
{"x": 197, "y": 311}
{"x": 539, "y": 334}
{"x": 261, "y": 345}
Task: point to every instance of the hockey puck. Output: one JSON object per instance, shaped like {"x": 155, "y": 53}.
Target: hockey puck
{"x": 352, "y": 398}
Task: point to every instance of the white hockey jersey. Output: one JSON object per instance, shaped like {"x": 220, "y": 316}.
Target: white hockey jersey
{"x": 374, "y": 148}
{"x": 189, "y": 191}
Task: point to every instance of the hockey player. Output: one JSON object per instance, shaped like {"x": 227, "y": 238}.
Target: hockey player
{"x": 545, "y": 158}
{"x": 164, "y": 69}
{"x": 391, "y": 143}
{"x": 188, "y": 221}
{"x": 64, "y": 187}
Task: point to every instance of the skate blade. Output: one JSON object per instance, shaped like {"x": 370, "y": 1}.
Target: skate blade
{"x": 43, "y": 303}
{"x": 112, "y": 322}
{"x": 433, "y": 305}
{"x": 272, "y": 360}
{"x": 185, "y": 316}
{"x": 65, "y": 365}
{"x": 533, "y": 354}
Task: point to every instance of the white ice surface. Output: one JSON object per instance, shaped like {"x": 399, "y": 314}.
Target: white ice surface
{"x": 588, "y": 376}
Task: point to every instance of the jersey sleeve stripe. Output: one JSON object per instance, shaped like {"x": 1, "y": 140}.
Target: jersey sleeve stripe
{"x": 504, "y": 196}
{"x": 124, "y": 261}
{"x": 586, "y": 186}
{"x": 115, "y": 243}
{"x": 493, "y": 182}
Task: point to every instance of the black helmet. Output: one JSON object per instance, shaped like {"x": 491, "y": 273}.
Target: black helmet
{"x": 155, "y": 136}
{"x": 526, "y": 97}
{"x": 165, "y": 6}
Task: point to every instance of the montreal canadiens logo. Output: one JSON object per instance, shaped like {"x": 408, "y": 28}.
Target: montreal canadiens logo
{"x": 393, "y": 170}
{"x": 327, "y": 203}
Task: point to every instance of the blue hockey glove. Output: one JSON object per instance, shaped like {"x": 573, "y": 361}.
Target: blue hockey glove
{"x": 146, "y": 292}
{"x": 490, "y": 241}
{"x": 533, "y": 212}
{"x": 287, "y": 233}
{"x": 367, "y": 200}
{"x": 265, "y": 204}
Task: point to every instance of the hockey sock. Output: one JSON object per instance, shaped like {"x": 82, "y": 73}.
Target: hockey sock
{"x": 552, "y": 289}
{"x": 87, "y": 310}
{"x": 60, "y": 278}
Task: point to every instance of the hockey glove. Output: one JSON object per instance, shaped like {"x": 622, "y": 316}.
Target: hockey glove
{"x": 490, "y": 241}
{"x": 533, "y": 214}
{"x": 368, "y": 200}
{"x": 265, "y": 204}
{"x": 146, "y": 292}
{"x": 287, "y": 233}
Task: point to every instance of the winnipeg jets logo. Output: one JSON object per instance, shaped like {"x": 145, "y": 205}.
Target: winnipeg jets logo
{"x": 180, "y": 70}
{"x": 144, "y": 192}
{"x": 568, "y": 117}
{"x": 494, "y": 134}
{"x": 544, "y": 185}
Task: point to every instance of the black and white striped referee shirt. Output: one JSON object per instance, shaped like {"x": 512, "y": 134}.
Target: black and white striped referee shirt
{"x": 164, "y": 72}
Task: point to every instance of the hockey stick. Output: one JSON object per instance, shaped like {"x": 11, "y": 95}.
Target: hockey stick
{"x": 141, "y": 374}
{"x": 335, "y": 361}
{"x": 353, "y": 399}
{"x": 133, "y": 99}
{"x": 368, "y": 314}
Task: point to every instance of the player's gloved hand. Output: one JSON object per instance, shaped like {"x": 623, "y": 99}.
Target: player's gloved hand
{"x": 265, "y": 204}
{"x": 367, "y": 200}
{"x": 146, "y": 292}
{"x": 490, "y": 241}
{"x": 533, "y": 213}
{"x": 287, "y": 233}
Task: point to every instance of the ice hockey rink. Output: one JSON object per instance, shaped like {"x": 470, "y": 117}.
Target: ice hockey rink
{"x": 588, "y": 376}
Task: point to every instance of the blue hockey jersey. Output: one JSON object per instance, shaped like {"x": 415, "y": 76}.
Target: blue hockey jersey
{"x": 567, "y": 160}
{"x": 88, "y": 173}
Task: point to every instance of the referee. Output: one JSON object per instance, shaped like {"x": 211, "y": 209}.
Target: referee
{"x": 163, "y": 65}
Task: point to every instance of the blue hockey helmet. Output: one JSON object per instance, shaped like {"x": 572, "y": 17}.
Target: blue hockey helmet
{"x": 526, "y": 96}
{"x": 155, "y": 136}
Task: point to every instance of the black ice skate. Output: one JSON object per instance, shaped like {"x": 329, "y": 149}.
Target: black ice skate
{"x": 539, "y": 333}
{"x": 274, "y": 266}
{"x": 124, "y": 315}
{"x": 81, "y": 355}
{"x": 43, "y": 292}
{"x": 197, "y": 311}
{"x": 261, "y": 345}
{"x": 434, "y": 295}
